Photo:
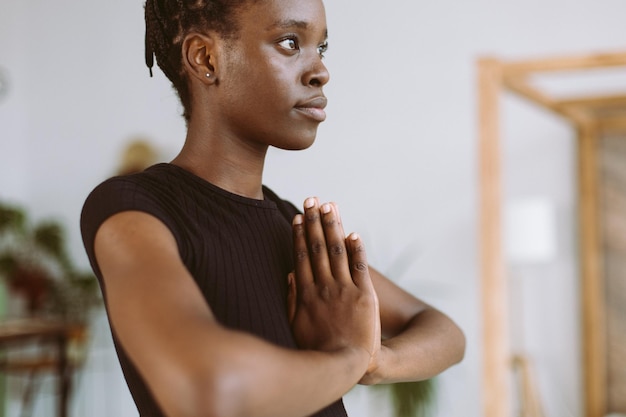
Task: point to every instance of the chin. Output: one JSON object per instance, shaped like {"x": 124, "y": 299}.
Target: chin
{"x": 296, "y": 146}
{"x": 301, "y": 142}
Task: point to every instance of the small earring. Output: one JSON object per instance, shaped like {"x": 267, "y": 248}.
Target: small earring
{"x": 208, "y": 75}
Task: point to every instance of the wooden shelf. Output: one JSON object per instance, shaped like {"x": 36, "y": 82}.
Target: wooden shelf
{"x": 592, "y": 115}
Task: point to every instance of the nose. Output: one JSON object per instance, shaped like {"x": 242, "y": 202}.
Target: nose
{"x": 317, "y": 75}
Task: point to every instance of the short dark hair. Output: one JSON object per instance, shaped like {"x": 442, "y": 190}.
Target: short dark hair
{"x": 167, "y": 24}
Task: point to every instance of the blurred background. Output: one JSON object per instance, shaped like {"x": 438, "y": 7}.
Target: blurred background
{"x": 399, "y": 154}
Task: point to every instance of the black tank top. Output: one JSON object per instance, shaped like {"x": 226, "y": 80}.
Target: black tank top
{"x": 238, "y": 250}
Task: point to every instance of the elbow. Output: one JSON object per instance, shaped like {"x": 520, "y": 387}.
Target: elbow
{"x": 202, "y": 394}
{"x": 460, "y": 344}
{"x": 452, "y": 341}
{"x": 455, "y": 341}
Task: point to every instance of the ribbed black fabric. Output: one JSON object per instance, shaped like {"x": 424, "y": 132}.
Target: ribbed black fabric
{"x": 238, "y": 250}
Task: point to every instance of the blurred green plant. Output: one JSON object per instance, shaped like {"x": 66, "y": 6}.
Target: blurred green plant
{"x": 411, "y": 399}
{"x": 34, "y": 263}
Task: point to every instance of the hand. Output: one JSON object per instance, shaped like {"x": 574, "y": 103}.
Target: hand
{"x": 332, "y": 303}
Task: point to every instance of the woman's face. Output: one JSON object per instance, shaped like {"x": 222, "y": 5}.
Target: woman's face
{"x": 270, "y": 83}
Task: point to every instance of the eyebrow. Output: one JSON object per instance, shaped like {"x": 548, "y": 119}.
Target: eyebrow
{"x": 289, "y": 23}
{"x": 292, "y": 23}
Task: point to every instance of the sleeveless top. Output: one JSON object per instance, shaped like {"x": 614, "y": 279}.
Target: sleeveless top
{"x": 238, "y": 250}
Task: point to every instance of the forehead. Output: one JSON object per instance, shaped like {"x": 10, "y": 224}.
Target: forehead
{"x": 268, "y": 15}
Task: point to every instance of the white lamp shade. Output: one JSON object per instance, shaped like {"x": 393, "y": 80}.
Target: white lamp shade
{"x": 530, "y": 231}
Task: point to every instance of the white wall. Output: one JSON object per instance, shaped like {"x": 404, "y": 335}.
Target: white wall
{"x": 397, "y": 153}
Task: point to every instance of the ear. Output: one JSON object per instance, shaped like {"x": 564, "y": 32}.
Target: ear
{"x": 199, "y": 56}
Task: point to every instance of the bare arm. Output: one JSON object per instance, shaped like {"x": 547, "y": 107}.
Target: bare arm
{"x": 418, "y": 341}
{"x": 192, "y": 364}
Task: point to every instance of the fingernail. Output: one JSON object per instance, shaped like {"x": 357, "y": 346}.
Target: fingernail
{"x": 326, "y": 208}
{"x": 354, "y": 236}
{"x": 309, "y": 202}
{"x": 297, "y": 219}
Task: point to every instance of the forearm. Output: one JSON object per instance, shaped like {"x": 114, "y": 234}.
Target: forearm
{"x": 429, "y": 344}
{"x": 246, "y": 376}
{"x": 278, "y": 382}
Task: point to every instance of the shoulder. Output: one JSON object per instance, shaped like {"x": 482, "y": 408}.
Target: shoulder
{"x": 129, "y": 192}
{"x": 150, "y": 191}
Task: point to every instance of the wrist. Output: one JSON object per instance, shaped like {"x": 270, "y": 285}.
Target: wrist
{"x": 375, "y": 373}
{"x": 354, "y": 360}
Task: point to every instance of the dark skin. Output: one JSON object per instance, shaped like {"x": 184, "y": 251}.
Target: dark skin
{"x": 265, "y": 89}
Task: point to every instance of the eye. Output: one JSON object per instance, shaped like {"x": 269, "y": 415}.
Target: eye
{"x": 321, "y": 49}
{"x": 290, "y": 44}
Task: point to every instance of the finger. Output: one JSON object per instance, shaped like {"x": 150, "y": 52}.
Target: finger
{"x": 302, "y": 264}
{"x": 362, "y": 279}
{"x": 358, "y": 261}
{"x": 335, "y": 242}
{"x": 336, "y": 207}
{"x": 316, "y": 241}
{"x": 291, "y": 296}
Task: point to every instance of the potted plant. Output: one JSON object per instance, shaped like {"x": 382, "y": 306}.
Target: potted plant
{"x": 35, "y": 265}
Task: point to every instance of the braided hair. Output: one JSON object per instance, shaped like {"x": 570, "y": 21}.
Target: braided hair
{"x": 167, "y": 24}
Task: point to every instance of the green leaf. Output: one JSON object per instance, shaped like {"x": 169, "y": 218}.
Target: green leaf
{"x": 8, "y": 264}
{"x": 12, "y": 218}
{"x": 413, "y": 399}
{"x": 49, "y": 237}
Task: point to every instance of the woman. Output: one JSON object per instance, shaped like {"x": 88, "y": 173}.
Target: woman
{"x": 223, "y": 299}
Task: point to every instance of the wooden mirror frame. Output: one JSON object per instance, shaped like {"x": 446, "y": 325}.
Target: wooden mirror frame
{"x": 592, "y": 116}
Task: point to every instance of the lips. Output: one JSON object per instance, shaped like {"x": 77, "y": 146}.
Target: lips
{"x": 313, "y": 108}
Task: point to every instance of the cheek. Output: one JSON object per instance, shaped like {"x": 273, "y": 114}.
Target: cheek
{"x": 274, "y": 77}
{"x": 260, "y": 86}
{"x": 269, "y": 95}
{"x": 253, "y": 82}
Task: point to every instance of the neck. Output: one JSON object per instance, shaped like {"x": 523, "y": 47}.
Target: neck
{"x": 226, "y": 162}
